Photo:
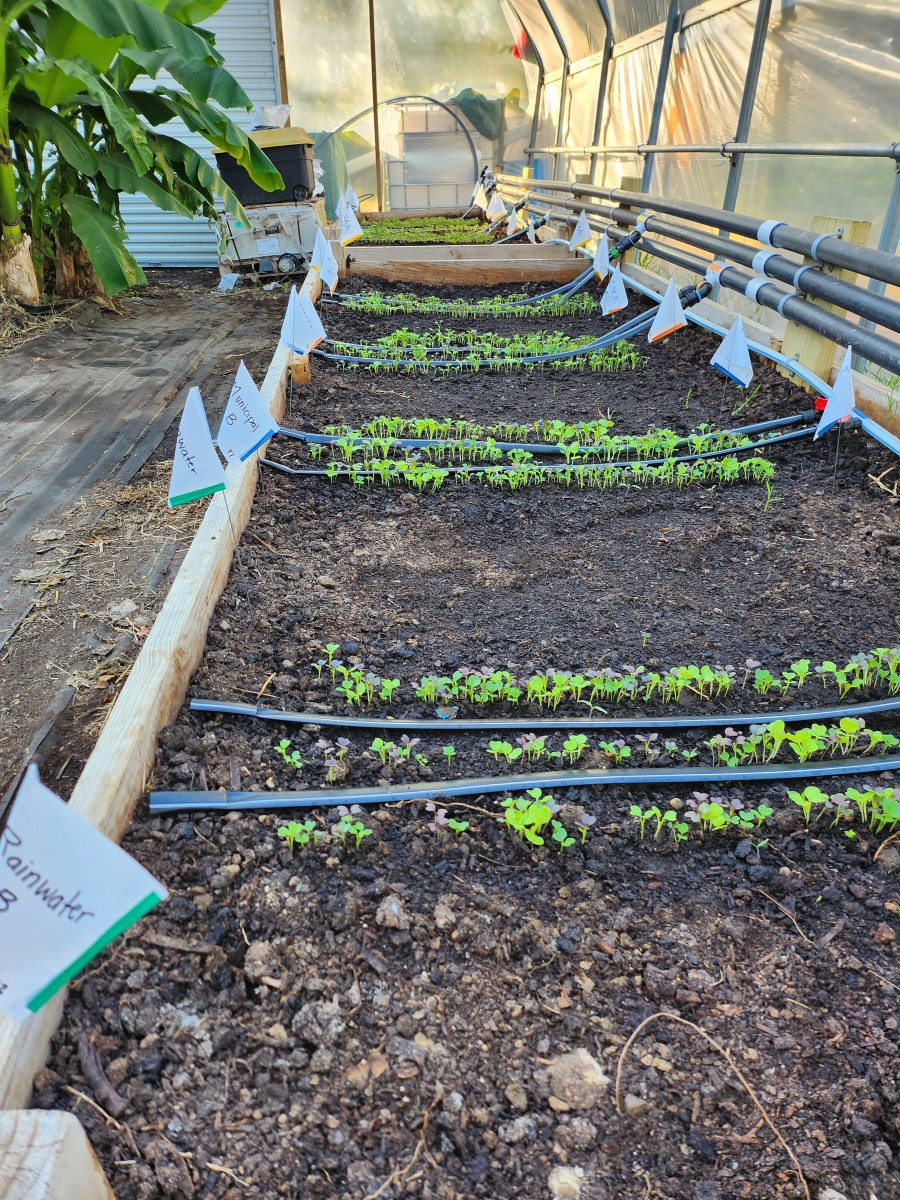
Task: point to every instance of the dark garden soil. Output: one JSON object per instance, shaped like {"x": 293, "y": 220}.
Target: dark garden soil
{"x": 398, "y": 1019}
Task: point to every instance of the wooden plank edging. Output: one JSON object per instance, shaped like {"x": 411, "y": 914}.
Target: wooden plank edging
{"x": 119, "y": 767}
{"x": 46, "y": 1156}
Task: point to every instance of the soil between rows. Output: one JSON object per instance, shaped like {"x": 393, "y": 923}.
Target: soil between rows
{"x": 347, "y": 1022}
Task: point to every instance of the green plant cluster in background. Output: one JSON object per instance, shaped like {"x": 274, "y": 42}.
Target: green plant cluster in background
{"x": 418, "y": 231}
{"x": 405, "y": 303}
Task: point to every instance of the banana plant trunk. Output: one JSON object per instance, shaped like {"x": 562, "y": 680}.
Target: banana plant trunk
{"x": 17, "y": 275}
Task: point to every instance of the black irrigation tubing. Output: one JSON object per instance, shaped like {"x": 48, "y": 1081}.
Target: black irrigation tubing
{"x": 566, "y": 289}
{"x": 790, "y": 716}
{"x": 168, "y": 802}
{"x": 553, "y": 468}
{"x": 638, "y": 325}
{"x": 336, "y": 439}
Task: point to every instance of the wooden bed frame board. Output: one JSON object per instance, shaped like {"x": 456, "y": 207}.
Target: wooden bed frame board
{"x": 118, "y": 770}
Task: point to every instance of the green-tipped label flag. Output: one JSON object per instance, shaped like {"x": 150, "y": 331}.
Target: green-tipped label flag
{"x": 66, "y": 891}
{"x": 197, "y": 470}
{"x": 246, "y": 422}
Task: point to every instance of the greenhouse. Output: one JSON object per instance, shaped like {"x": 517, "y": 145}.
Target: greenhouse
{"x": 449, "y": 624}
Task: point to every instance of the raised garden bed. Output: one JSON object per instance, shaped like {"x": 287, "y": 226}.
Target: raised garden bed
{"x": 387, "y": 1019}
{"x": 427, "y": 231}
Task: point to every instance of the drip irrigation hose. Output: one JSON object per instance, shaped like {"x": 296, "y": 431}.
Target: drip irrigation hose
{"x": 564, "y": 290}
{"x": 169, "y": 802}
{"x": 790, "y": 716}
{"x": 688, "y": 296}
{"x": 335, "y": 439}
{"x": 555, "y": 468}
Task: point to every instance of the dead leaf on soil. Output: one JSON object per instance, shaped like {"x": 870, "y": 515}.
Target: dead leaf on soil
{"x": 369, "y": 1069}
{"x": 53, "y": 581}
{"x": 564, "y": 994}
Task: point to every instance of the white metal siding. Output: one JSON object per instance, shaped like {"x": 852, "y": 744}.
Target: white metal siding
{"x": 245, "y": 35}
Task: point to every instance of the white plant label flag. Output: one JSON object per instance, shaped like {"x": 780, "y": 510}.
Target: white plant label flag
{"x": 669, "y": 316}
{"x": 301, "y": 329}
{"x": 581, "y": 234}
{"x": 352, "y": 198}
{"x": 842, "y": 401}
{"x": 532, "y": 236}
{"x": 66, "y": 891}
{"x": 246, "y": 422}
{"x": 614, "y": 298}
{"x": 350, "y": 228}
{"x": 324, "y": 262}
{"x": 512, "y": 225}
{"x": 601, "y": 257}
{"x": 496, "y": 208}
{"x": 732, "y": 357}
{"x": 479, "y": 198}
{"x": 196, "y": 468}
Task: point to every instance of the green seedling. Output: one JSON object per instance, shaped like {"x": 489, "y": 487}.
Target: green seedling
{"x": 331, "y": 650}
{"x": 575, "y": 745}
{"x": 457, "y": 827}
{"x": 807, "y": 798}
{"x": 347, "y": 827}
{"x": 448, "y": 753}
{"x": 291, "y": 757}
{"x": 299, "y": 833}
{"x": 561, "y": 837}
{"x": 505, "y": 750}
{"x": 382, "y": 748}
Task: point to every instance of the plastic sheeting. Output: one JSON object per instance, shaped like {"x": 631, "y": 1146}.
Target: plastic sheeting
{"x": 830, "y": 73}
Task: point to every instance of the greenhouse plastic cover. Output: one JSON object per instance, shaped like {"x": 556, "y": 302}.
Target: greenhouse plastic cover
{"x": 830, "y": 73}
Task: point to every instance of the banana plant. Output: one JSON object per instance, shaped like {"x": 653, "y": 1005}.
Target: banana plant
{"x": 82, "y": 117}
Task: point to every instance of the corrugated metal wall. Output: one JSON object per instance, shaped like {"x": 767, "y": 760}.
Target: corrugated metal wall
{"x": 245, "y": 35}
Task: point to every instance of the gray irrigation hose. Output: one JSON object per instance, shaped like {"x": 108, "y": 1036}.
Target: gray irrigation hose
{"x": 336, "y": 439}
{"x": 880, "y": 350}
{"x": 622, "y": 464}
{"x": 565, "y": 289}
{"x": 827, "y": 248}
{"x": 168, "y": 802}
{"x": 806, "y": 279}
{"x": 790, "y": 716}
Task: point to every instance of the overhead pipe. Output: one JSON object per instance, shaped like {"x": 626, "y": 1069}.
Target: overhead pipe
{"x": 169, "y": 802}
{"x": 790, "y": 716}
{"x": 875, "y": 348}
{"x": 824, "y": 248}
{"x": 807, "y": 279}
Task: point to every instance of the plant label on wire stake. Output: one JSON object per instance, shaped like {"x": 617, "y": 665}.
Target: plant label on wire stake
{"x": 323, "y": 261}
{"x": 352, "y": 198}
{"x": 601, "y": 258}
{"x": 197, "y": 470}
{"x": 614, "y": 298}
{"x": 532, "y": 236}
{"x": 301, "y": 330}
{"x": 246, "y": 422}
{"x": 581, "y": 234}
{"x": 496, "y": 208}
{"x": 669, "y": 316}
{"x": 732, "y": 357}
{"x": 350, "y": 228}
{"x": 479, "y": 197}
{"x": 66, "y": 891}
{"x": 512, "y": 225}
{"x": 841, "y": 402}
